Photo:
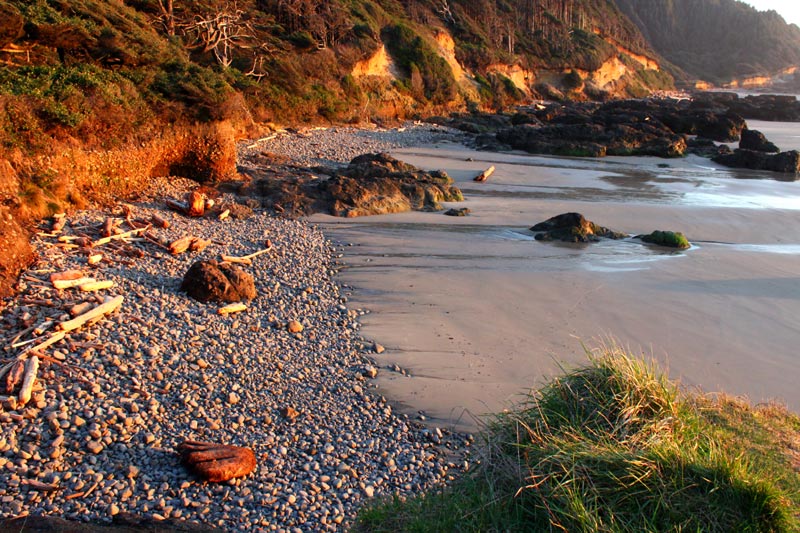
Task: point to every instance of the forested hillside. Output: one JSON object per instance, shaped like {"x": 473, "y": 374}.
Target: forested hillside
{"x": 716, "y": 40}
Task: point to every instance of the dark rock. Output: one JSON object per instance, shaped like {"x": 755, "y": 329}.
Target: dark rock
{"x": 216, "y": 463}
{"x": 755, "y": 140}
{"x": 770, "y": 107}
{"x": 706, "y": 147}
{"x": 121, "y": 523}
{"x": 572, "y": 227}
{"x": 209, "y": 281}
{"x": 787, "y": 162}
{"x": 237, "y": 210}
{"x": 374, "y": 184}
{"x": 670, "y": 239}
{"x": 461, "y": 212}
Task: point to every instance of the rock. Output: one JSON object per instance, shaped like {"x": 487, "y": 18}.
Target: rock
{"x": 237, "y": 211}
{"x": 461, "y": 212}
{"x": 572, "y": 227}
{"x": 375, "y": 184}
{"x": 670, "y": 239}
{"x": 370, "y": 372}
{"x": 216, "y": 463}
{"x": 786, "y": 162}
{"x": 755, "y": 140}
{"x": 706, "y": 147}
{"x": 209, "y": 281}
{"x": 94, "y": 446}
{"x": 378, "y": 348}
{"x": 294, "y": 326}
{"x": 289, "y": 412}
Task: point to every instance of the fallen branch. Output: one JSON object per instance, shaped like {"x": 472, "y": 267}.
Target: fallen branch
{"x": 31, "y": 368}
{"x": 41, "y": 487}
{"x": 52, "y": 339}
{"x": 107, "y": 307}
{"x": 483, "y": 176}
{"x": 70, "y": 283}
{"x": 97, "y": 286}
{"x": 232, "y": 308}
{"x": 134, "y": 232}
{"x": 247, "y": 259}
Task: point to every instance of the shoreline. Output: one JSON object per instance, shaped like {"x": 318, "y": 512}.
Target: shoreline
{"x": 164, "y": 368}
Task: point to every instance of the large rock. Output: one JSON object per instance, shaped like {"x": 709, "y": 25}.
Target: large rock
{"x": 216, "y": 463}
{"x": 572, "y": 227}
{"x": 755, "y": 140}
{"x": 210, "y": 281}
{"x": 787, "y": 162}
{"x": 374, "y": 184}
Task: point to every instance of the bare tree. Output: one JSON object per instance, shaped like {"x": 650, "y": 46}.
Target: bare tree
{"x": 167, "y": 16}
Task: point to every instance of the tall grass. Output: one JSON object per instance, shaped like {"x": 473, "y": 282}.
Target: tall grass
{"x": 616, "y": 447}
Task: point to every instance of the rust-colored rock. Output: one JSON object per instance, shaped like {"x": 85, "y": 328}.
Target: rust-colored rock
{"x": 216, "y": 463}
{"x": 209, "y": 281}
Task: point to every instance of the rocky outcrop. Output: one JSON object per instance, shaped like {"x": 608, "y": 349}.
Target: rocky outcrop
{"x": 374, "y": 184}
{"x": 573, "y": 227}
{"x": 770, "y": 107}
{"x": 787, "y": 162}
{"x": 216, "y": 463}
{"x": 210, "y": 281}
{"x": 755, "y": 140}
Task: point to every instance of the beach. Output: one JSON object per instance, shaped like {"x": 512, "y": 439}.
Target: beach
{"x": 475, "y": 313}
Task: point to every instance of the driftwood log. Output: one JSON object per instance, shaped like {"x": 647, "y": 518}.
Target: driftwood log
{"x": 483, "y": 176}
{"x": 31, "y": 369}
{"x": 108, "y": 306}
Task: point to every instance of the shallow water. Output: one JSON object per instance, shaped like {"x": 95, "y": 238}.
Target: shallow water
{"x": 479, "y": 312}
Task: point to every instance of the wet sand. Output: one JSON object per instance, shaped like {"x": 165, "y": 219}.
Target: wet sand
{"x": 478, "y": 312}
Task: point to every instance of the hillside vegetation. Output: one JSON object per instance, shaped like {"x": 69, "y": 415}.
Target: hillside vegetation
{"x": 96, "y": 96}
{"x": 716, "y": 40}
{"x": 616, "y": 447}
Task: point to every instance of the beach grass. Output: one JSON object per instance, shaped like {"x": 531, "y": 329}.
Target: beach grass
{"x": 615, "y": 446}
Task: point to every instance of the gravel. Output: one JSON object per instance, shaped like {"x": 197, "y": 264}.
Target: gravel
{"x": 165, "y": 368}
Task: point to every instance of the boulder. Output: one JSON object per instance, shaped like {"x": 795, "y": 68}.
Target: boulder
{"x": 374, "y": 184}
{"x": 755, "y": 140}
{"x": 461, "y": 212}
{"x": 216, "y": 463}
{"x": 210, "y": 281}
{"x": 670, "y": 239}
{"x": 786, "y": 162}
{"x": 572, "y": 227}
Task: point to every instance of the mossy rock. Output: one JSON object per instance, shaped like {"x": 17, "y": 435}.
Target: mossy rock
{"x": 671, "y": 239}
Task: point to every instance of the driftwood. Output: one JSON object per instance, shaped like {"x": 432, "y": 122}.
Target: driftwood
{"x": 66, "y": 275}
{"x": 41, "y": 487}
{"x": 52, "y": 339}
{"x": 232, "y": 308}
{"x": 483, "y": 176}
{"x": 132, "y": 233}
{"x": 107, "y": 307}
{"x": 181, "y": 245}
{"x": 97, "y": 286}
{"x": 159, "y": 222}
{"x": 70, "y": 283}
{"x": 247, "y": 259}
{"x": 14, "y": 376}
{"x": 108, "y": 228}
{"x": 79, "y": 309}
{"x": 225, "y": 214}
{"x": 31, "y": 368}
{"x": 59, "y": 221}
{"x": 94, "y": 259}
{"x": 44, "y": 326}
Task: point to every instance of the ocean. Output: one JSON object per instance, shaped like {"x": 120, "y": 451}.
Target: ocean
{"x": 476, "y": 313}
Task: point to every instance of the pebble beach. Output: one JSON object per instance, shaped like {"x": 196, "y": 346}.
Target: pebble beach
{"x": 114, "y": 398}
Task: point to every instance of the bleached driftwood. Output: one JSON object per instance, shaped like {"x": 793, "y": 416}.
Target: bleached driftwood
{"x": 31, "y": 368}
{"x": 181, "y": 245}
{"x": 70, "y": 283}
{"x": 225, "y": 214}
{"x": 247, "y": 259}
{"x": 97, "y": 285}
{"x": 483, "y": 176}
{"x": 232, "y": 308}
{"x": 108, "y": 306}
{"x": 94, "y": 259}
{"x": 132, "y": 233}
{"x": 52, "y": 339}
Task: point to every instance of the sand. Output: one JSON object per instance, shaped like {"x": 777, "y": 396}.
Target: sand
{"x": 478, "y": 312}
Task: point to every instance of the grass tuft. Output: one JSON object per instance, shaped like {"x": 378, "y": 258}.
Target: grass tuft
{"x": 616, "y": 447}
